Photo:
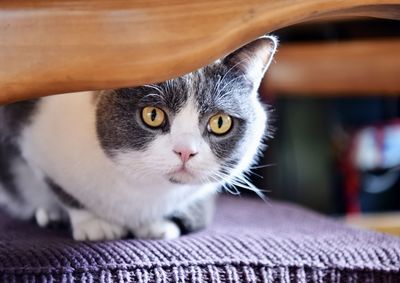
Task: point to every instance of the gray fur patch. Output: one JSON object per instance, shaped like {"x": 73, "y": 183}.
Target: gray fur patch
{"x": 220, "y": 89}
{"x": 13, "y": 117}
{"x": 196, "y": 216}
{"x": 118, "y": 118}
{"x": 63, "y": 196}
{"x": 8, "y": 153}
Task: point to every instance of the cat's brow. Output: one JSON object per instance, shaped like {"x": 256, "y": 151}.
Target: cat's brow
{"x": 155, "y": 99}
{"x": 227, "y": 105}
{"x": 172, "y": 102}
{"x": 233, "y": 112}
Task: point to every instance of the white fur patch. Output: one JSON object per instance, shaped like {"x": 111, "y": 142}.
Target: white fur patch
{"x": 163, "y": 229}
{"x": 86, "y": 226}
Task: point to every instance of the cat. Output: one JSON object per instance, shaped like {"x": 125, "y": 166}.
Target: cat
{"x": 145, "y": 160}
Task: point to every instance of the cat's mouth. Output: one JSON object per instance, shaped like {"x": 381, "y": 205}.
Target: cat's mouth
{"x": 181, "y": 175}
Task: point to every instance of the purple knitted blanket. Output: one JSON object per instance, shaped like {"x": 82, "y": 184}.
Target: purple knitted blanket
{"x": 250, "y": 241}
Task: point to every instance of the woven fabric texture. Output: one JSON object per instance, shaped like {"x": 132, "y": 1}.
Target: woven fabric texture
{"x": 249, "y": 241}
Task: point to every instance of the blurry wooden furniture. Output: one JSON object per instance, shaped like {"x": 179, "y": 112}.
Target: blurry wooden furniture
{"x": 49, "y": 47}
{"x": 356, "y": 67}
{"x": 382, "y": 222}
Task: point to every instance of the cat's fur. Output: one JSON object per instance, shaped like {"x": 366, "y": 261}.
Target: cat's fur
{"x": 90, "y": 158}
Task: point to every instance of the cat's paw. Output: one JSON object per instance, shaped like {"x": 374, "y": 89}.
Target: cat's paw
{"x": 86, "y": 226}
{"x": 97, "y": 230}
{"x": 164, "y": 229}
{"x": 44, "y": 217}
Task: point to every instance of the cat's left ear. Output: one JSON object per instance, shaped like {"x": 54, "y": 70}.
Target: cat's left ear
{"x": 253, "y": 59}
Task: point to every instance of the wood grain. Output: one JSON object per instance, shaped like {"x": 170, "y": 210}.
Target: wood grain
{"x": 366, "y": 67}
{"x": 49, "y": 47}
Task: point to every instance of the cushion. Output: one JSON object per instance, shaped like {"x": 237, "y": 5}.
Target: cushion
{"x": 249, "y": 241}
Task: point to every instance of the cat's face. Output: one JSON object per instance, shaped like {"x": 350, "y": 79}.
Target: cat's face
{"x": 203, "y": 127}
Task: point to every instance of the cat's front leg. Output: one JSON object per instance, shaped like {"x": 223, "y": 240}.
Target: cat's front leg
{"x": 192, "y": 217}
{"x": 196, "y": 215}
{"x": 162, "y": 229}
{"x": 87, "y": 226}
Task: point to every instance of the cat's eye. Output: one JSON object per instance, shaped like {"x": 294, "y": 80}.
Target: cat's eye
{"x": 219, "y": 124}
{"x": 153, "y": 117}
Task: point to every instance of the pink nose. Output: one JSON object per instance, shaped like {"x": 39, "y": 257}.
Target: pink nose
{"x": 185, "y": 153}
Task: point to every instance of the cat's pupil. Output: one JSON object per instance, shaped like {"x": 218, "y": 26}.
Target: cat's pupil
{"x": 153, "y": 114}
{"x": 220, "y": 122}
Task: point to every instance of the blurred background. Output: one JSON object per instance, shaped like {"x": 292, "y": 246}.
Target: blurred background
{"x": 333, "y": 91}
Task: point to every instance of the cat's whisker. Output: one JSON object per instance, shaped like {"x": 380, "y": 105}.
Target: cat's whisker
{"x": 230, "y": 92}
{"x": 218, "y": 90}
{"x": 229, "y": 70}
{"x": 262, "y": 166}
{"x": 232, "y": 68}
{"x": 229, "y": 84}
{"x": 155, "y": 87}
{"x": 255, "y": 174}
{"x": 241, "y": 181}
{"x": 216, "y": 87}
{"x": 231, "y": 189}
{"x": 235, "y": 192}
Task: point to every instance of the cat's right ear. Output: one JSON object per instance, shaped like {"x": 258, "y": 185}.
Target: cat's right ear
{"x": 253, "y": 59}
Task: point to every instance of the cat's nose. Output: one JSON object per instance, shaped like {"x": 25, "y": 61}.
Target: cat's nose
{"x": 185, "y": 153}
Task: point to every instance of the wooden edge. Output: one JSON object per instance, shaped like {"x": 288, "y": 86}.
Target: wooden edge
{"x": 383, "y": 222}
{"x": 366, "y": 67}
{"x": 390, "y": 11}
{"x": 49, "y": 47}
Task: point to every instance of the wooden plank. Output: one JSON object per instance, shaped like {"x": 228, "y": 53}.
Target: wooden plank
{"x": 49, "y": 47}
{"x": 365, "y": 67}
{"x": 388, "y": 222}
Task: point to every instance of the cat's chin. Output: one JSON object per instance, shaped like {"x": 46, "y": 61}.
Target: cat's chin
{"x": 183, "y": 178}
{"x": 177, "y": 181}
{"x": 188, "y": 176}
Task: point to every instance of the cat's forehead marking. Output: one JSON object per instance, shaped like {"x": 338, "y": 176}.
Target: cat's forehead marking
{"x": 187, "y": 119}
{"x": 218, "y": 89}
{"x": 213, "y": 90}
